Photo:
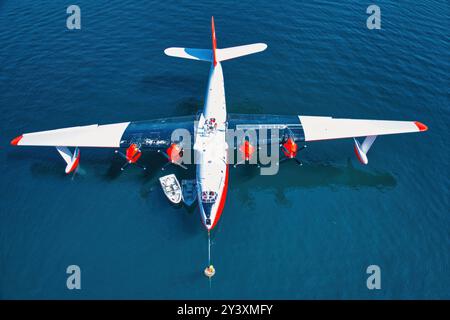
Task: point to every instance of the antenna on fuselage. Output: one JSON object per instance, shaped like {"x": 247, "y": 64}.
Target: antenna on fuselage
{"x": 209, "y": 270}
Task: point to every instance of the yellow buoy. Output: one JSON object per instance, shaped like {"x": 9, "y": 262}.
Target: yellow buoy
{"x": 210, "y": 271}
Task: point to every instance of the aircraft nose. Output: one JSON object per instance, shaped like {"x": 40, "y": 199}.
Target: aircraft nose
{"x": 207, "y": 211}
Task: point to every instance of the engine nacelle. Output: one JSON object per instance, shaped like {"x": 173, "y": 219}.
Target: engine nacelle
{"x": 247, "y": 150}
{"x": 133, "y": 153}
{"x": 175, "y": 153}
{"x": 290, "y": 148}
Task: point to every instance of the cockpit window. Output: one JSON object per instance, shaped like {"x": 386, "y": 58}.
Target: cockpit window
{"x": 211, "y": 125}
{"x": 209, "y": 196}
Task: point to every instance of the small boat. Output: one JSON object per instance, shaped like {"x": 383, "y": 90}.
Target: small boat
{"x": 171, "y": 188}
{"x": 210, "y": 271}
{"x": 189, "y": 192}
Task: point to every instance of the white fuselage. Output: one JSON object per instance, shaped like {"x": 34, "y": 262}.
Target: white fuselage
{"x": 211, "y": 151}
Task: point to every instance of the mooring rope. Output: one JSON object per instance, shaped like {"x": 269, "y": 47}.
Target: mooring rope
{"x": 209, "y": 248}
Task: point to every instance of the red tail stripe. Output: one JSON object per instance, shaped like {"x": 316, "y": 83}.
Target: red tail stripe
{"x": 214, "y": 44}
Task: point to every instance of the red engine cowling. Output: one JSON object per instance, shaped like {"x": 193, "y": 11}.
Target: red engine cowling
{"x": 290, "y": 148}
{"x": 133, "y": 153}
{"x": 174, "y": 153}
{"x": 247, "y": 150}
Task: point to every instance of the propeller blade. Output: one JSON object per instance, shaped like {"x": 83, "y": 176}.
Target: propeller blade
{"x": 239, "y": 163}
{"x": 121, "y": 154}
{"x": 164, "y": 154}
{"x": 165, "y": 165}
{"x": 181, "y": 165}
{"x": 170, "y": 161}
{"x": 298, "y": 162}
{"x": 141, "y": 166}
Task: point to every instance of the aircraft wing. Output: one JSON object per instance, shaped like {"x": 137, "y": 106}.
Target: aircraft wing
{"x": 312, "y": 128}
{"x": 259, "y": 122}
{"x": 294, "y": 129}
{"x": 151, "y": 134}
{"x": 156, "y": 134}
{"x": 82, "y": 136}
{"x": 327, "y": 128}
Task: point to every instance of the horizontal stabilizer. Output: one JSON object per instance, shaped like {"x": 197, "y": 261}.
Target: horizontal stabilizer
{"x": 190, "y": 53}
{"x": 240, "y": 51}
{"x": 222, "y": 54}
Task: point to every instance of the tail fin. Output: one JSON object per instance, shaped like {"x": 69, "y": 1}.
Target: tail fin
{"x": 215, "y": 55}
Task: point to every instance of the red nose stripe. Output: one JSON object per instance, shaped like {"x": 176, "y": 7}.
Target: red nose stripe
{"x": 222, "y": 200}
{"x": 16, "y": 140}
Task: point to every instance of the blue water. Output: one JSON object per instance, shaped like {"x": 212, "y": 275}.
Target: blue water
{"x": 306, "y": 233}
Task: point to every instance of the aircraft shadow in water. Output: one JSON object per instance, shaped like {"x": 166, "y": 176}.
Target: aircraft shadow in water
{"x": 310, "y": 175}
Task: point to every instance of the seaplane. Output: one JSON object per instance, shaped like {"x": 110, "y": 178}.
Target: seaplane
{"x": 209, "y": 128}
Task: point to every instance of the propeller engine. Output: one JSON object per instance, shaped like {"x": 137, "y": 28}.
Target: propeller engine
{"x": 174, "y": 155}
{"x": 132, "y": 155}
{"x": 246, "y": 151}
{"x": 290, "y": 149}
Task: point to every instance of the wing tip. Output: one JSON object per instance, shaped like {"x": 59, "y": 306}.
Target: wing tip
{"x": 15, "y": 141}
{"x": 168, "y": 51}
{"x": 420, "y": 126}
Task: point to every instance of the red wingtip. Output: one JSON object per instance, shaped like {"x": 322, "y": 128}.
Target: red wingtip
{"x": 421, "y": 126}
{"x": 214, "y": 43}
{"x": 16, "y": 140}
